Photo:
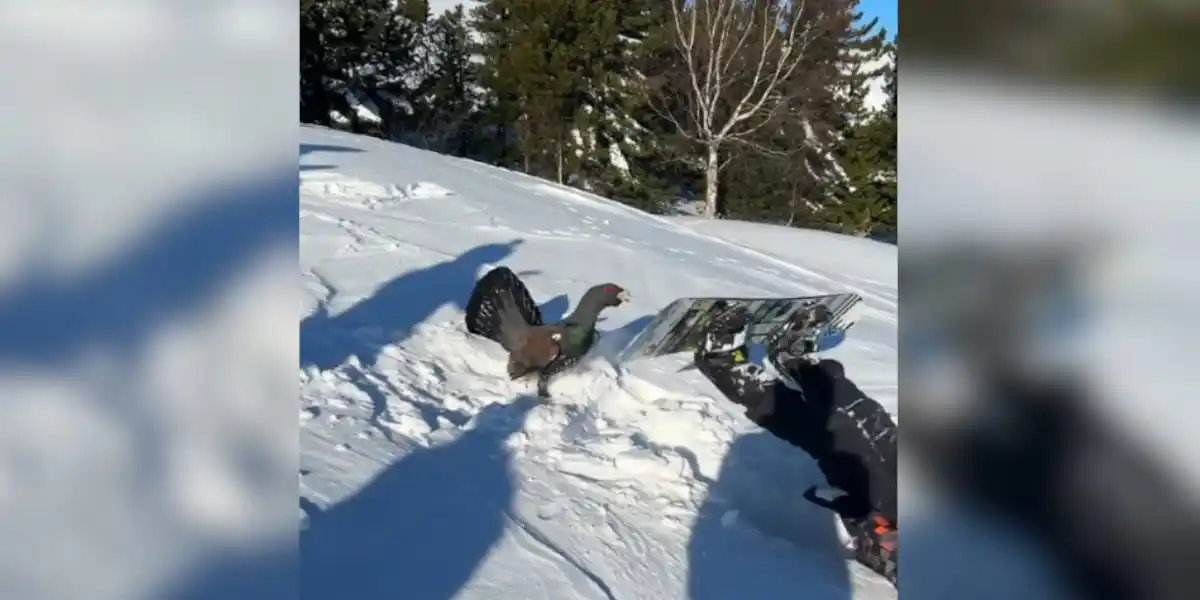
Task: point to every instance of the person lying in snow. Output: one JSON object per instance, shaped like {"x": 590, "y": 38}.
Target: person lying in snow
{"x": 815, "y": 407}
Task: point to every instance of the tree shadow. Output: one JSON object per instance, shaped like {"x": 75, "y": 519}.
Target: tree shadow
{"x": 306, "y": 149}
{"x": 422, "y": 528}
{"x": 176, "y": 268}
{"x": 395, "y": 309}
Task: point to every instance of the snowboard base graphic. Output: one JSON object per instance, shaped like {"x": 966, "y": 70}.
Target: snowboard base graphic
{"x": 680, "y": 326}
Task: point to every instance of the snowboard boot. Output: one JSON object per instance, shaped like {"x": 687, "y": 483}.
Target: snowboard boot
{"x": 723, "y": 358}
{"x": 795, "y": 345}
{"x": 877, "y": 545}
{"x": 724, "y": 342}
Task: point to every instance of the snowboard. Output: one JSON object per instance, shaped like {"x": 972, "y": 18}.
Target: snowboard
{"x": 681, "y": 325}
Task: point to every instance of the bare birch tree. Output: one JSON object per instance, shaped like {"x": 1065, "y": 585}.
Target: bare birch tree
{"x": 737, "y": 57}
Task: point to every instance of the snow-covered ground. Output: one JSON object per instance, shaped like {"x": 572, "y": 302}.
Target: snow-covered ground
{"x": 426, "y": 474}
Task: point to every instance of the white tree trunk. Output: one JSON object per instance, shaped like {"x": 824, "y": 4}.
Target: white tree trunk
{"x": 738, "y": 58}
{"x": 712, "y": 174}
{"x": 561, "y": 168}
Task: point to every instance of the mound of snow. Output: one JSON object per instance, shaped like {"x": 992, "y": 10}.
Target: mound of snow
{"x": 369, "y": 193}
{"x": 425, "y": 472}
{"x": 423, "y": 190}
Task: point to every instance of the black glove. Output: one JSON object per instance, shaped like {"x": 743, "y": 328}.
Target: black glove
{"x": 846, "y": 506}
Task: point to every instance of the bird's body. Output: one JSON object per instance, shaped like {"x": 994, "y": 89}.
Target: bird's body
{"x": 538, "y": 348}
{"x": 502, "y": 310}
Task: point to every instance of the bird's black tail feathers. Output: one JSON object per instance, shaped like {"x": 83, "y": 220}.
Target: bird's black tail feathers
{"x": 485, "y": 310}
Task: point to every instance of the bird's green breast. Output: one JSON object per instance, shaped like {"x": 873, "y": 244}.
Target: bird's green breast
{"x": 578, "y": 339}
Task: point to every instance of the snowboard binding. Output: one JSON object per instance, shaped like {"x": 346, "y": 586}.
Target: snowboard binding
{"x": 801, "y": 337}
{"x": 725, "y": 335}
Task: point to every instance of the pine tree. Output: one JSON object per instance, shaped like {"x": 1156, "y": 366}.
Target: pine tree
{"x": 519, "y": 54}
{"x": 563, "y": 75}
{"x": 892, "y": 85}
{"x": 357, "y": 62}
{"x": 864, "y": 200}
{"x": 886, "y": 136}
{"x": 446, "y": 101}
{"x": 618, "y": 153}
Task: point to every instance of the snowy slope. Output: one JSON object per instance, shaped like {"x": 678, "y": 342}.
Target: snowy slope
{"x": 426, "y": 474}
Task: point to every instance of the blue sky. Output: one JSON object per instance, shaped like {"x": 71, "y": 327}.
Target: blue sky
{"x": 885, "y": 10}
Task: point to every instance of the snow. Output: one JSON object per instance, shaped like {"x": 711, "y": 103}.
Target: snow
{"x": 437, "y": 7}
{"x": 364, "y": 109}
{"x": 425, "y": 473}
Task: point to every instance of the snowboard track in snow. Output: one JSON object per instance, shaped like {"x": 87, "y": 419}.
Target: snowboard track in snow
{"x": 545, "y": 541}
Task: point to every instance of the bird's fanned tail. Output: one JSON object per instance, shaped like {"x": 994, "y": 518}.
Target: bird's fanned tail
{"x": 501, "y": 308}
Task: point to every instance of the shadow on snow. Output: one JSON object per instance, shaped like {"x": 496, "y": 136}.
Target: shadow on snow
{"x": 760, "y": 487}
{"x": 763, "y": 478}
{"x": 175, "y": 269}
{"x": 306, "y": 149}
{"x": 423, "y": 526}
{"x": 392, "y": 313}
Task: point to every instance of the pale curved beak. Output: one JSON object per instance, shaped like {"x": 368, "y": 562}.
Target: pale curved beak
{"x": 623, "y": 296}
{"x": 556, "y": 336}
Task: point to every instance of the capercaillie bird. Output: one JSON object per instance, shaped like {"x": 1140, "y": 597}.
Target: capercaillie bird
{"x": 501, "y": 309}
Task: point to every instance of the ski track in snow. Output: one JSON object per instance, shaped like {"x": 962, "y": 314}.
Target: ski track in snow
{"x": 426, "y": 473}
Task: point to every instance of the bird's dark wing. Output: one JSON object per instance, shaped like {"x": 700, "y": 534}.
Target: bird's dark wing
{"x": 514, "y": 330}
{"x": 501, "y": 308}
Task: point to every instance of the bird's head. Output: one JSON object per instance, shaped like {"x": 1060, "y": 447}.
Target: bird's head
{"x": 614, "y": 295}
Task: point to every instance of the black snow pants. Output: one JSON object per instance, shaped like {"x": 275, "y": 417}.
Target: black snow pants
{"x": 852, "y": 438}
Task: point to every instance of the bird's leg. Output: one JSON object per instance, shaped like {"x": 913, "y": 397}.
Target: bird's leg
{"x": 543, "y": 386}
